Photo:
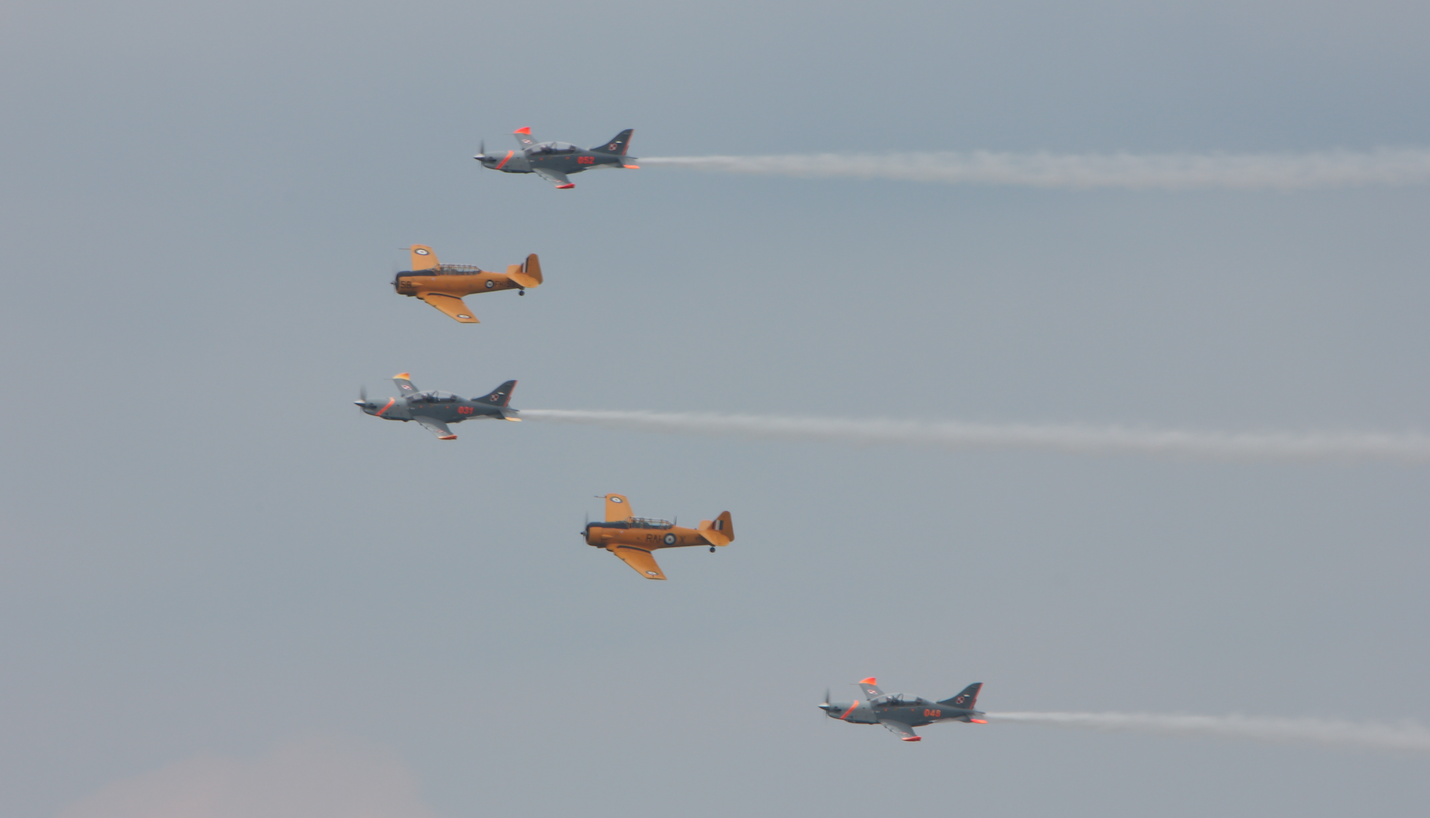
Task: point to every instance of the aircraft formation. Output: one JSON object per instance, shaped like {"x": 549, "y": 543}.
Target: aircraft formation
{"x": 631, "y": 539}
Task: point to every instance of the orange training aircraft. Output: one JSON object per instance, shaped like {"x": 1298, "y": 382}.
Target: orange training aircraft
{"x": 634, "y": 538}
{"x": 443, "y": 285}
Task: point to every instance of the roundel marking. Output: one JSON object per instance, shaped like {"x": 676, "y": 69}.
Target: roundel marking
{"x": 616, "y": 500}
{"x": 670, "y": 539}
{"x": 422, "y": 251}
{"x": 490, "y": 284}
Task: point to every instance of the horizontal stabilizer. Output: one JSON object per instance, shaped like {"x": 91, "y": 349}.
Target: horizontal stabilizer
{"x": 526, "y": 274}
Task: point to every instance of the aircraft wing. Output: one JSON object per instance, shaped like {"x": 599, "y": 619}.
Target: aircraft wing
{"x": 437, "y": 428}
{"x": 452, "y": 305}
{"x": 523, "y": 135}
{"x": 639, "y": 559}
{"x": 423, "y": 258}
{"x": 618, "y": 508}
{"x": 901, "y": 730}
{"x": 555, "y": 178}
{"x": 870, "y": 688}
{"x": 404, "y": 383}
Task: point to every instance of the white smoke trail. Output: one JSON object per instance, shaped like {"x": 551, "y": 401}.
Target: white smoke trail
{"x": 1410, "y": 447}
{"x": 1170, "y": 171}
{"x": 1404, "y": 737}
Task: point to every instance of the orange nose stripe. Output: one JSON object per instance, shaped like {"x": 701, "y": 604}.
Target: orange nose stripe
{"x": 390, "y": 401}
{"x": 850, "y": 710}
{"x": 505, "y": 159}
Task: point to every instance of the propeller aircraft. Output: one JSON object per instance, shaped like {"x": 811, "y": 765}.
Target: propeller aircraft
{"x": 900, "y": 714}
{"x": 634, "y": 538}
{"x": 552, "y": 161}
{"x": 443, "y": 285}
{"x": 434, "y": 410}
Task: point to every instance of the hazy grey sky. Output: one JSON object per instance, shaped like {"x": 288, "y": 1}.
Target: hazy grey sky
{"x": 231, "y": 594}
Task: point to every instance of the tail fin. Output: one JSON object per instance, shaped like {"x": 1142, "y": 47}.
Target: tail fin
{"x": 720, "y": 531}
{"x": 967, "y": 699}
{"x": 618, "y": 144}
{"x": 423, "y": 258}
{"x": 501, "y": 396}
{"x": 527, "y": 273}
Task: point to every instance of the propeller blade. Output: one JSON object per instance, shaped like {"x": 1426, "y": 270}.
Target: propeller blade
{"x": 826, "y": 695}
{"x": 362, "y": 393}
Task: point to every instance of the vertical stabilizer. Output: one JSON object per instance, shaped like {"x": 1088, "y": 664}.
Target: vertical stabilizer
{"x": 720, "y": 531}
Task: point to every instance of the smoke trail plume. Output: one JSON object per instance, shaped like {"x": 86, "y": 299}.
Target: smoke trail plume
{"x": 1405, "y": 737}
{"x": 1411, "y": 447}
{"x": 1168, "y": 171}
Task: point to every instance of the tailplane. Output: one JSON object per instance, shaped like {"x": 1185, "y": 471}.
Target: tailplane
{"x": 527, "y": 273}
{"x": 720, "y": 531}
{"x": 618, "y": 144}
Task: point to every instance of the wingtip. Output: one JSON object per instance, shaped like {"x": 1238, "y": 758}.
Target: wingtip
{"x": 977, "y": 721}
{"x": 446, "y": 437}
{"x": 526, "y": 131}
{"x": 913, "y": 738}
{"x": 631, "y": 167}
{"x": 868, "y": 681}
{"x": 566, "y": 187}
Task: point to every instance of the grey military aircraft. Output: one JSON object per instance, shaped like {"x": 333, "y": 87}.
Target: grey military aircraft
{"x": 434, "y": 410}
{"x": 900, "y": 714}
{"x": 552, "y": 161}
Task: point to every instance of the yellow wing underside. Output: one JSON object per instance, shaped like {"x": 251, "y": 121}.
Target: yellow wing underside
{"x": 639, "y": 559}
{"x": 452, "y": 305}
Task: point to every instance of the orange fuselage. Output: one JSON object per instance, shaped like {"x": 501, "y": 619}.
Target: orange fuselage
{"x": 418, "y": 285}
{"x": 607, "y": 536}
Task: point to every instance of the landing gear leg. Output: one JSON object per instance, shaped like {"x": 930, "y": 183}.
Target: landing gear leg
{"x": 712, "y": 549}
{"x": 521, "y": 292}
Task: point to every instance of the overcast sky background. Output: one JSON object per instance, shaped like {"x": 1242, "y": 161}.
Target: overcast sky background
{"x": 228, "y": 593}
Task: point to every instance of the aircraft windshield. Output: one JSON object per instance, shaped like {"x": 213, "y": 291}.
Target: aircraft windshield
{"x": 648, "y": 522}
{"x": 555, "y": 147}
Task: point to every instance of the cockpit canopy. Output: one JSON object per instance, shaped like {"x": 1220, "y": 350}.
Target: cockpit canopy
{"x": 555, "y": 147}
{"x": 900, "y": 698}
{"x": 434, "y": 397}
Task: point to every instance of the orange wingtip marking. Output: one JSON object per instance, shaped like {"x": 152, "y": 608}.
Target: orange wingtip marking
{"x": 868, "y": 681}
{"x": 446, "y": 437}
{"x": 526, "y": 131}
{"x": 977, "y": 721}
{"x": 566, "y": 187}
{"x": 632, "y": 167}
{"x": 913, "y": 738}
{"x": 403, "y": 375}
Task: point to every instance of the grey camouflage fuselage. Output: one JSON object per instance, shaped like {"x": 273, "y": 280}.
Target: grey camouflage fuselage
{"x": 555, "y": 161}
{"x": 434, "y": 410}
